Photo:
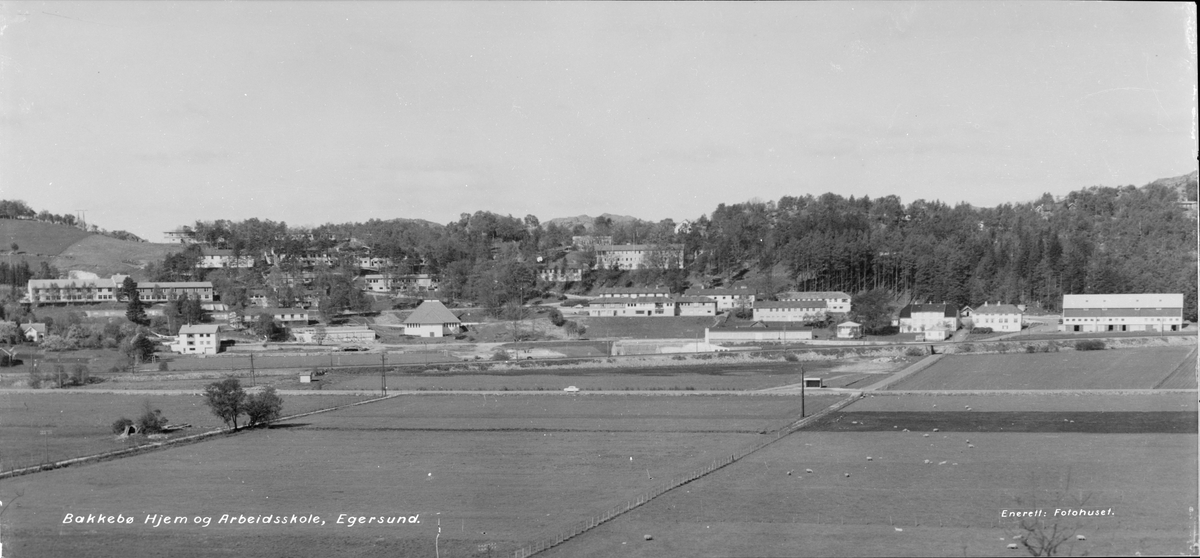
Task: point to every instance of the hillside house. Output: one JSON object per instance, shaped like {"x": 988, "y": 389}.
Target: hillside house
{"x": 1122, "y": 312}
{"x": 287, "y": 317}
{"x": 212, "y": 258}
{"x": 790, "y": 311}
{"x": 727, "y": 298}
{"x": 639, "y": 256}
{"x": 999, "y": 317}
{"x": 585, "y": 242}
{"x": 378, "y": 283}
{"x": 836, "y": 302}
{"x": 182, "y": 235}
{"x": 33, "y": 332}
{"x": 203, "y": 339}
{"x": 432, "y": 319}
{"x": 936, "y": 321}
{"x": 162, "y": 291}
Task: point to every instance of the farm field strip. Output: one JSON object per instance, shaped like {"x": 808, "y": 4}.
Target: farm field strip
{"x": 1100, "y": 400}
{"x": 44, "y": 427}
{"x": 497, "y": 487}
{"x": 916, "y": 496}
{"x": 1115, "y": 369}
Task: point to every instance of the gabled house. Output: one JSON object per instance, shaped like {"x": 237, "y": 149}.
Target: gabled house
{"x": 849, "y": 330}
{"x": 936, "y": 321}
{"x": 727, "y": 298}
{"x": 432, "y": 319}
{"x": 33, "y": 332}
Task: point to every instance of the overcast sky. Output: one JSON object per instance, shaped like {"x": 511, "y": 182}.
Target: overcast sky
{"x": 150, "y": 115}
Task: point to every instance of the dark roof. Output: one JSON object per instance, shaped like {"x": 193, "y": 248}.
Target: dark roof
{"x": 947, "y": 310}
{"x": 431, "y": 312}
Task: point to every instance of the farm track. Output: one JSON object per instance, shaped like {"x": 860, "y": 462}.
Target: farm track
{"x": 1183, "y": 375}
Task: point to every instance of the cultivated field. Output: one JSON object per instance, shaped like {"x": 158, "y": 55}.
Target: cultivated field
{"x": 916, "y": 497}
{"x": 1111, "y": 369}
{"x": 1048, "y": 401}
{"x": 491, "y": 471}
{"x": 79, "y": 424}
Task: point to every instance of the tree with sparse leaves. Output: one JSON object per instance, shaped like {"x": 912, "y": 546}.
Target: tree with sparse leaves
{"x": 226, "y": 399}
{"x": 263, "y": 407}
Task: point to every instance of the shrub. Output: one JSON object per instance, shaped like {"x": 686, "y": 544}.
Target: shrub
{"x": 151, "y": 421}
{"x": 119, "y": 426}
{"x": 80, "y": 375}
{"x": 263, "y": 406}
{"x": 557, "y": 318}
{"x": 914, "y": 351}
{"x": 966, "y": 348}
{"x": 1031, "y": 348}
{"x": 500, "y": 355}
{"x": 981, "y": 330}
{"x": 1089, "y": 345}
{"x": 35, "y": 378}
{"x": 790, "y": 357}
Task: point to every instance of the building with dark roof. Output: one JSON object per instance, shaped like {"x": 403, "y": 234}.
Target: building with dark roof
{"x": 936, "y": 321}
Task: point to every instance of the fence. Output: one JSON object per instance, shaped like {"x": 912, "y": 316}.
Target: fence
{"x": 580, "y": 527}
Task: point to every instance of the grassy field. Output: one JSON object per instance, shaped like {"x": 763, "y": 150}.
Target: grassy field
{"x": 689, "y": 376}
{"x": 79, "y": 424}
{"x": 489, "y": 490}
{"x": 1116, "y": 369}
{"x": 104, "y": 256}
{"x": 38, "y": 238}
{"x": 916, "y": 497}
{"x": 1067, "y": 402}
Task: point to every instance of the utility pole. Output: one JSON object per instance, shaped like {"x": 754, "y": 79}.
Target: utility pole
{"x": 802, "y": 382}
{"x": 253, "y": 381}
{"x": 383, "y": 373}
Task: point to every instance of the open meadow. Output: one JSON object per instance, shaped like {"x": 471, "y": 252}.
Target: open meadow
{"x": 901, "y": 494}
{"x": 490, "y": 472}
{"x": 1110, "y": 369}
{"x": 80, "y": 424}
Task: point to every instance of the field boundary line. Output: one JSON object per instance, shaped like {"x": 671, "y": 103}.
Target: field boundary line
{"x": 913, "y": 369}
{"x": 1182, "y": 363}
{"x": 579, "y": 527}
{"x": 165, "y": 444}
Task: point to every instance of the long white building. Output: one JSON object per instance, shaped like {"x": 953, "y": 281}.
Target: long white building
{"x": 1122, "y": 312}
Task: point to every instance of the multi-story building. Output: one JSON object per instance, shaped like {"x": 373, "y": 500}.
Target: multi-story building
{"x": 71, "y": 291}
{"x": 727, "y": 298}
{"x": 998, "y": 317}
{"x": 1122, "y": 312}
{"x": 936, "y": 321}
{"x": 790, "y": 311}
{"x": 836, "y": 302}
{"x": 378, "y": 283}
{"x": 287, "y": 317}
{"x": 204, "y": 339}
{"x": 632, "y": 292}
{"x": 651, "y": 306}
{"x": 639, "y": 256}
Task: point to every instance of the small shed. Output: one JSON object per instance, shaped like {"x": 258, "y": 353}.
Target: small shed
{"x": 814, "y": 382}
{"x": 849, "y": 330}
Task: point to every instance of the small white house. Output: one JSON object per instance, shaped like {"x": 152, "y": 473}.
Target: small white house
{"x": 34, "y": 332}
{"x": 849, "y": 330}
{"x": 432, "y": 319}
{"x": 202, "y": 339}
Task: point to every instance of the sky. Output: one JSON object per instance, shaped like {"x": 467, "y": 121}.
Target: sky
{"x": 151, "y": 115}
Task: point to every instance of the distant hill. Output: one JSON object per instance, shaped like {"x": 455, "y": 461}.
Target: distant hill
{"x": 1186, "y": 185}
{"x": 71, "y": 249}
{"x": 586, "y": 221}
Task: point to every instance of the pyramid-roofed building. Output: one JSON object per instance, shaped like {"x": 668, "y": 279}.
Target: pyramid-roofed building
{"x": 432, "y": 319}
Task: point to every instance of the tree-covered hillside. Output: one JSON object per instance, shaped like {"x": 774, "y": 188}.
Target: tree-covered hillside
{"x": 1096, "y": 240}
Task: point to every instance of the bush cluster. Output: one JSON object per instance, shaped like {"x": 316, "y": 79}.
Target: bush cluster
{"x": 1089, "y": 345}
{"x": 981, "y": 330}
{"x": 914, "y": 351}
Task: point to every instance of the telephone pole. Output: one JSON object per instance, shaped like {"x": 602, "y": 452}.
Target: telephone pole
{"x": 383, "y": 373}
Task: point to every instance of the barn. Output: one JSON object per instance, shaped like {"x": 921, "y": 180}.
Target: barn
{"x": 1122, "y": 312}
